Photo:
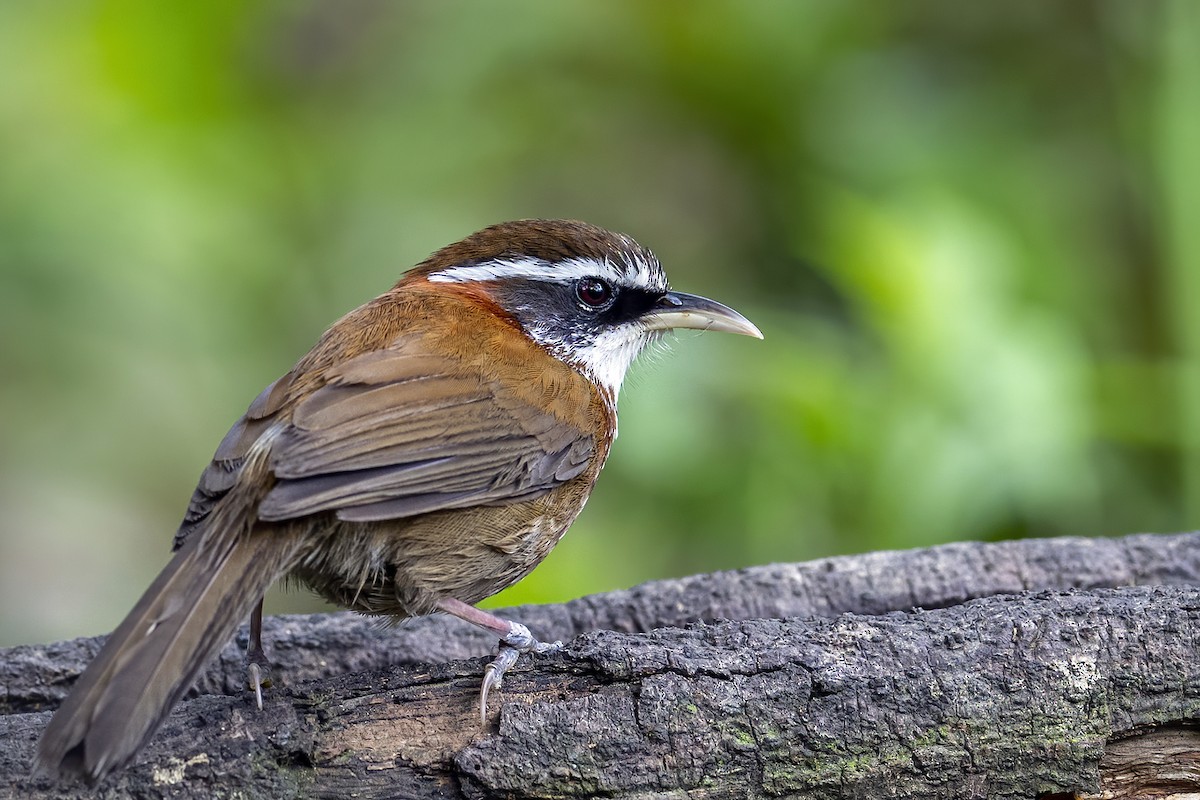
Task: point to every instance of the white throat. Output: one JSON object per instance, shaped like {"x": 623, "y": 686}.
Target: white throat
{"x": 606, "y": 360}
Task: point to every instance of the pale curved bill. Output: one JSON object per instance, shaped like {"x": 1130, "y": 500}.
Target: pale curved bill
{"x": 681, "y": 310}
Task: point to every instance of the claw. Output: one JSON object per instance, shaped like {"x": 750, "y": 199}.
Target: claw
{"x": 256, "y": 681}
{"x": 493, "y": 675}
{"x": 515, "y": 639}
{"x": 519, "y": 640}
{"x": 259, "y": 674}
{"x": 489, "y": 680}
{"x": 257, "y": 663}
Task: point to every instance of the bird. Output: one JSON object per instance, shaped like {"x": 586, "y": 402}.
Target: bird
{"x": 429, "y": 451}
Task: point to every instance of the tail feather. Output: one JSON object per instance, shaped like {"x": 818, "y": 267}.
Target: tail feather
{"x": 153, "y": 657}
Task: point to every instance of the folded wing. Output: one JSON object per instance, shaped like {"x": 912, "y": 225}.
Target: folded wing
{"x": 400, "y": 432}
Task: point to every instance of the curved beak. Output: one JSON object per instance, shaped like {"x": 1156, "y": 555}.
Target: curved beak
{"x": 679, "y": 310}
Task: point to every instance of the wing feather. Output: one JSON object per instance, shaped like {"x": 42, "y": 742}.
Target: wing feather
{"x": 222, "y": 472}
{"x": 396, "y": 433}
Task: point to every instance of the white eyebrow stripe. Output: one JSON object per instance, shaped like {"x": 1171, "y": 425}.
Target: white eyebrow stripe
{"x": 538, "y": 269}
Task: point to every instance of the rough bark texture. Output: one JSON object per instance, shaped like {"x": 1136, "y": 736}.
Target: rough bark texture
{"x": 826, "y": 681}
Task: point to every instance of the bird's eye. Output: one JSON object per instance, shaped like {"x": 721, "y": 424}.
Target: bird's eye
{"x": 593, "y": 292}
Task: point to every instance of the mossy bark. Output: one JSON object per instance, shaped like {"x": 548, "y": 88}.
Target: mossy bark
{"x": 824, "y": 682}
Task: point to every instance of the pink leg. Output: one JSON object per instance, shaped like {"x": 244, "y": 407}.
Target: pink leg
{"x": 515, "y": 639}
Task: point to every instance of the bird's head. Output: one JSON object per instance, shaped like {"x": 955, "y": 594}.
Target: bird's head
{"x": 592, "y": 298}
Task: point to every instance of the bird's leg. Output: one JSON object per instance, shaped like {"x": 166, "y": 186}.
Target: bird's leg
{"x": 515, "y": 639}
{"x": 257, "y": 664}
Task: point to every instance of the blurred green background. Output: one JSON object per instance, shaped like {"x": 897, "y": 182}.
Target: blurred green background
{"x": 969, "y": 231}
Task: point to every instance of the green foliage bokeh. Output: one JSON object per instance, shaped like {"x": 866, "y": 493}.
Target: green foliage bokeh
{"x": 968, "y": 230}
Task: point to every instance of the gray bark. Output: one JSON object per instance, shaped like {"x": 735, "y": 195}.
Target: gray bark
{"x": 825, "y": 680}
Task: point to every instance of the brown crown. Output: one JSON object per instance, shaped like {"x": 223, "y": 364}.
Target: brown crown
{"x": 550, "y": 240}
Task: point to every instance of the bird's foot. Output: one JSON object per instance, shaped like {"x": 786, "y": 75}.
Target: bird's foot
{"x": 515, "y": 639}
{"x": 258, "y": 666}
{"x": 258, "y": 671}
{"x": 518, "y": 640}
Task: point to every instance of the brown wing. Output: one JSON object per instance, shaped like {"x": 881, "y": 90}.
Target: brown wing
{"x": 400, "y": 432}
{"x": 222, "y": 472}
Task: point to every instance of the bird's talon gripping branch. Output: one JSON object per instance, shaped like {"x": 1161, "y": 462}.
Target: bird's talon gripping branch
{"x": 258, "y": 672}
{"x": 256, "y": 679}
{"x": 518, "y": 640}
{"x": 493, "y": 676}
{"x": 258, "y": 666}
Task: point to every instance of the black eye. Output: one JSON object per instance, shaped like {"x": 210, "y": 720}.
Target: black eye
{"x": 593, "y": 292}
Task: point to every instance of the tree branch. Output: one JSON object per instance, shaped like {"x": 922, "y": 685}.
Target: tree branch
{"x": 1011, "y": 694}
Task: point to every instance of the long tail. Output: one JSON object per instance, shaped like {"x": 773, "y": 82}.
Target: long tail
{"x": 188, "y": 613}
